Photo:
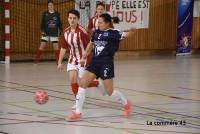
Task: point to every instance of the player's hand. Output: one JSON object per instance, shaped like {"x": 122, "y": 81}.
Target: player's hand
{"x": 60, "y": 67}
{"x": 44, "y": 34}
{"x": 82, "y": 62}
{"x": 130, "y": 32}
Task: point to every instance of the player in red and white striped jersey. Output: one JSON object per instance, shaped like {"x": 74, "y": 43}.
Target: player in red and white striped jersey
{"x": 51, "y": 28}
{"x": 93, "y": 22}
{"x": 74, "y": 39}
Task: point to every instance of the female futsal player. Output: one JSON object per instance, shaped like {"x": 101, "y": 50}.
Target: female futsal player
{"x": 75, "y": 39}
{"x": 51, "y": 26}
{"x": 93, "y": 22}
{"x": 104, "y": 43}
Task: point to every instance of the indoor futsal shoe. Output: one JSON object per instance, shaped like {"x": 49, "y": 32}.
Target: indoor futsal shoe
{"x": 127, "y": 108}
{"x": 73, "y": 117}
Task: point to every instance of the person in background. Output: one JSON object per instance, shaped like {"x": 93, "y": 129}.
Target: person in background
{"x": 51, "y": 27}
{"x": 93, "y": 22}
{"x": 75, "y": 40}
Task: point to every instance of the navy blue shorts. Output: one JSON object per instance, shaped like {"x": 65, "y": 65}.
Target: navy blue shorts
{"x": 103, "y": 71}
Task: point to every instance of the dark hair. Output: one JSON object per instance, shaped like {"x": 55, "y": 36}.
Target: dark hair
{"x": 100, "y": 4}
{"x": 50, "y": 1}
{"x": 106, "y": 18}
{"x": 115, "y": 20}
{"x": 75, "y": 12}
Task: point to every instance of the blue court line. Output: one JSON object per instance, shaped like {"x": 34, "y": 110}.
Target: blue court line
{"x": 151, "y": 93}
{"x": 137, "y": 106}
{"x": 66, "y": 123}
{"x": 114, "y": 102}
{"x": 134, "y": 112}
{"x": 108, "y": 101}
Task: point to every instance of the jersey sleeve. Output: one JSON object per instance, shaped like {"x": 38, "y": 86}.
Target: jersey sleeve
{"x": 92, "y": 37}
{"x": 119, "y": 35}
{"x": 42, "y": 24}
{"x": 59, "y": 23}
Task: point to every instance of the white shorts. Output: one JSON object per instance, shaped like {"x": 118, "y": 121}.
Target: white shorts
{"x": 49, "y": 38}
{"x": 80, "y": 70}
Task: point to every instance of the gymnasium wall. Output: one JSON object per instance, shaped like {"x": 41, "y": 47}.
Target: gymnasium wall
{"x": 196, "y": 33}
{"x": 1, "y": 31}
{"x": 25, "y": 27}
{"x": 161, "y": 35}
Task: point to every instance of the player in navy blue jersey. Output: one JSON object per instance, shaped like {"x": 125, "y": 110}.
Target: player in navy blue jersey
{"x": 104, "y": 43}
{"x": 50, "y": 27}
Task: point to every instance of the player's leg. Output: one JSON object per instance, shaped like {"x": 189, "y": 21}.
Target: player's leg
{"x": 94, "y": 83}
{"x": 86, "y": 79}
{"x": 54, "y": 41}
{"x": 38, "y": 53}
{"x": 107, "y": 74}
{"x": 77, "y": 72}
{"x": 73, "y": 77}
{"x": 81, "y": 71}
{"x": 117, "y": 95}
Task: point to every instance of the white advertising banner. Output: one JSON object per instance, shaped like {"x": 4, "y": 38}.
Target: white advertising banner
{"x": 132, "y": 13}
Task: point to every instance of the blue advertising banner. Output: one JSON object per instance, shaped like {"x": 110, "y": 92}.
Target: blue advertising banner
{"x": 184, "y": 31}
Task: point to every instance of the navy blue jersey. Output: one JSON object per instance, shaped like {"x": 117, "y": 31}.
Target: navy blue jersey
{"x": 50, "y": 23}
{"x": 106, "y": 43}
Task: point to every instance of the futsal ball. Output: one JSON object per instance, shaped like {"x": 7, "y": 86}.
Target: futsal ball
{"x": 41, "y": 97}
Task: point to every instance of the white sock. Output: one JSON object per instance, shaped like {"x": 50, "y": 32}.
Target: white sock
{"x": 80, "y": 98}
{"x": 119, "y": 97}
{"x": 101, "y": 88}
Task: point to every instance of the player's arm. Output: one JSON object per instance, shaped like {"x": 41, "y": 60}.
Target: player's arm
{"x": 128, "y": 33}
{"x": 59, "y": 24}
{"x": 64, "y": 48}
{"x": 61, "y": 56}
{"x": 89, "y": 27}
{"x": 87, "y": 52}
{"x": 42, "y": 24}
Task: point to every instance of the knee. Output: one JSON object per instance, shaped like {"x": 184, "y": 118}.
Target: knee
{"x": 41, "y": 48}
{"x": 55, "y": 45}
{"x": 73, "y": 79}
{"x": 83, "y": 83}
{"x": 56, "y": 48}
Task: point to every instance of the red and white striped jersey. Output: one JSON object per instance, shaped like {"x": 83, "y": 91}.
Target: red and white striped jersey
{"x": 76, "y": 42}
{"x": 93, "y": 23}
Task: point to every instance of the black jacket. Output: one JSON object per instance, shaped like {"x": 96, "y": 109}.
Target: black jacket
{"x": 51, "y": 23}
